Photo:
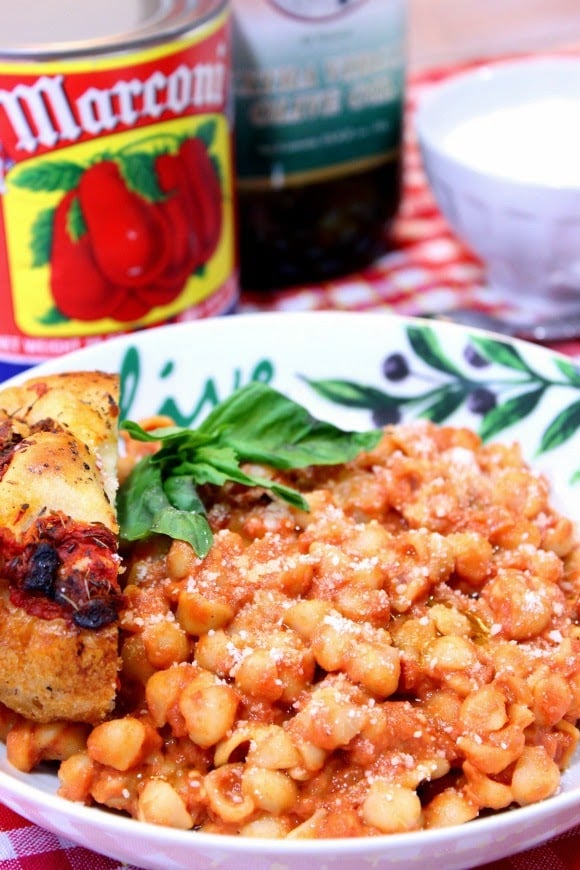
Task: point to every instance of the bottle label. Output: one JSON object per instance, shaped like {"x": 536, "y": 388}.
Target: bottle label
{"x": 115, "y": 193}
{"x": 318, "y": 87}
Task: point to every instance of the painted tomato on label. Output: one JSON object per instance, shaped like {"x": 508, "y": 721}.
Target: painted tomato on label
{"x": 79, "y": 288}
{"x": 205, "y": 206}
{"x": 192, "y": 208}
{"x": 133, "y": 305}
{"x": 118, "y": 253}
{"x": 185, "y": 245}
{"x": 129, "y": 238}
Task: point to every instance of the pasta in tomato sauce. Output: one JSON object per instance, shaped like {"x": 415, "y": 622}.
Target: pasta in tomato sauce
{"x": 404, "y": 655}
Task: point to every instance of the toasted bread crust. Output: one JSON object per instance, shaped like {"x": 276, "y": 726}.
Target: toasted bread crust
{"x": 85, "y": 403}
{"x": 58, "y": 472}
{"x": 49, "y": 472}
{"x": 52, "y": 670}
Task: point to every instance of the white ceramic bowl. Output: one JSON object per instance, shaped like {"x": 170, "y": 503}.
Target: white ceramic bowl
{"x": 340, "y": 366}
{"x": 501, "y": 150}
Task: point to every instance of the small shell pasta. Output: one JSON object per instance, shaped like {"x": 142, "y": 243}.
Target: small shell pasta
{"x": 405, "y": 655}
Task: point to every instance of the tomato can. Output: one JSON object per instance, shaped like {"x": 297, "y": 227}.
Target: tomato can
{"x": 116, "y": 171}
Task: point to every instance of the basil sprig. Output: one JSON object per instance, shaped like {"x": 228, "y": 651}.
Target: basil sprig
{"x": 255, "y": 424}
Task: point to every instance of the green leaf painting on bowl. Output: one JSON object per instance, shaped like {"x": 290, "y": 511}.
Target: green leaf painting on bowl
{"x": 493, "y": 381}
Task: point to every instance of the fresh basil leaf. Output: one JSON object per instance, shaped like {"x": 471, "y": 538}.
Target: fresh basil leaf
{"x": 221, "y": 471}
{"x": 184, "y": 526}
{"x": 203, "y": 464}
{"x": 207, "y": 472}
{"x": 287, "y": 493}
{"x": 182, "y": 494}
{"x": 138, "y": 499}
{"x": 262, "y": 425}
{"x": 138, "y": 433}
{"x": 235, "y": 474}
{"x": 143, "y": 508}
{"x": 255, "y": 424}
{"x": 166, "y": 434}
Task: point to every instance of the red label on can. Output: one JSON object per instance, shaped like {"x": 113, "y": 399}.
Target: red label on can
{"x": 116, "y": 205}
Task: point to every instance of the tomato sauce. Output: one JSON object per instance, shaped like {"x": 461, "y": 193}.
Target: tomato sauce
{"x": 61, "y": 568}
{"x": 116, "y": 207}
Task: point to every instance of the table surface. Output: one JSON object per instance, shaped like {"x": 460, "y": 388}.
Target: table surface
{"x": 446, "y": 31}
{"x": 428, "y": 270}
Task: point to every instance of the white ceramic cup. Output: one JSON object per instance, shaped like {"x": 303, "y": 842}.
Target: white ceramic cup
{"x": 501, "y": 150}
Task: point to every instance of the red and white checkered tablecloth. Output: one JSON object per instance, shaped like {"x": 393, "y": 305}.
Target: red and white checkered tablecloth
{"x": 426, "y": 271}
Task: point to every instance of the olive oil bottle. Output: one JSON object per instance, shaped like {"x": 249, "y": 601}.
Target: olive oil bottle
{"x": 319, "y": 88}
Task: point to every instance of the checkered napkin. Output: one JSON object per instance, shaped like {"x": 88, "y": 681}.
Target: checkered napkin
{"x": 24, "y": 846}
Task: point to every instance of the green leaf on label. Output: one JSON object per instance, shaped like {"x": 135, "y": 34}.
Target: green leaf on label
{"x": 207, "y": 133}
{"x": 49, "y": 176}
{"x": 498, "y": 352}
{"x": 53, "y": 317}
{"x": 41, "y": 237}
{"x": 426, "y": 345}
{"x": 562, "y": 428}
{"x": 139, "y": 172}
{"x": 75, "y": 220}
{"x": 255, "y": 424}
{"x": 509, "y": 413}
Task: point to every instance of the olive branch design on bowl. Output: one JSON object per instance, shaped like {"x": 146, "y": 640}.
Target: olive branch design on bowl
{"x": 493, "y": 381}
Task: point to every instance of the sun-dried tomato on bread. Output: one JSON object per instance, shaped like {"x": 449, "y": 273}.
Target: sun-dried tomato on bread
{"x": 59, "y": 591}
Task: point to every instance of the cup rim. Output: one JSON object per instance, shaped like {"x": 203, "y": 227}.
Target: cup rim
{"x": 494, "y": 85}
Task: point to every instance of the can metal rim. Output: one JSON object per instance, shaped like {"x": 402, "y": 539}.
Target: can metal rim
{"x": 164, "y": 20}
